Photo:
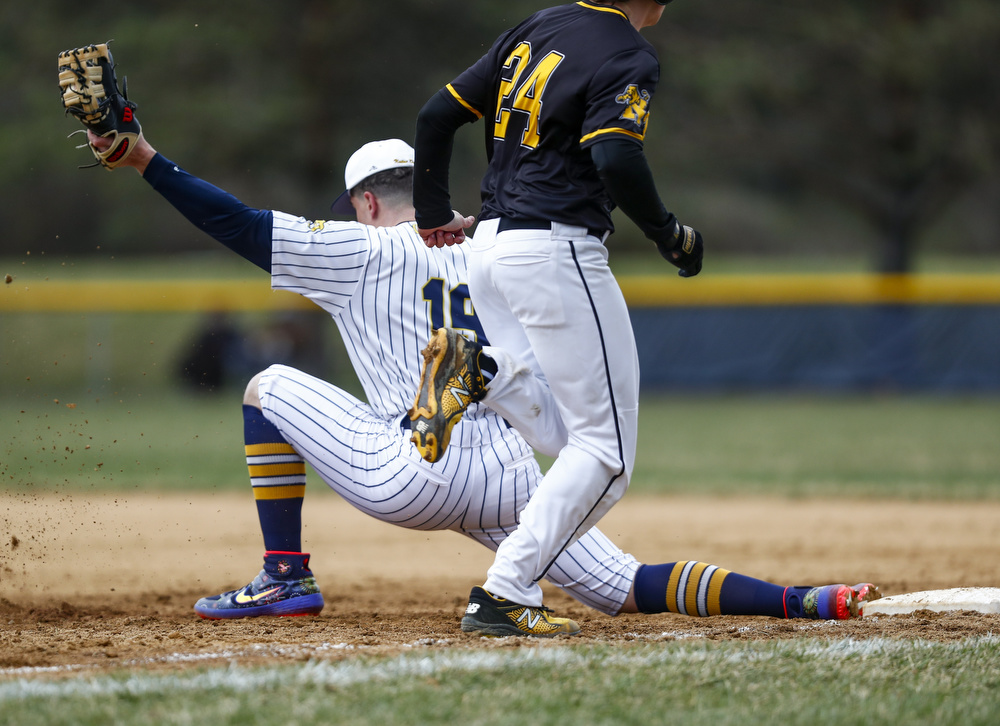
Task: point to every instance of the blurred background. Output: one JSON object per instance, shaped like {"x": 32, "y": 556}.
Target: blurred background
{"x": 847, "y": 130}
{"x": 822, "y": 148}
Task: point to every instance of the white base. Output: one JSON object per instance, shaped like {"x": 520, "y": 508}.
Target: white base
{"x": 978, "y": 599}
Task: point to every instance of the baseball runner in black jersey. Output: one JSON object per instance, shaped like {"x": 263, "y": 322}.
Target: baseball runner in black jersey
{"x": 566, "y": 98}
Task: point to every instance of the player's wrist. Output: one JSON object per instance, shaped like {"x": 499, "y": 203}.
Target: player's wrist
{"x": 665, "y": 234}
{"x": 434, "y": 219}
{"x": 141, "y": 156}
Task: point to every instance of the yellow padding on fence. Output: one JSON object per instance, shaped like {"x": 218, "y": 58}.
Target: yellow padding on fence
{"x": 640, "y": 291}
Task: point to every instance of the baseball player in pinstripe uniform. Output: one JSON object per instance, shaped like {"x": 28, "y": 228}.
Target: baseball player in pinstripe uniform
{"x": 386, "y": 291}
{"x": 565, "y": 97}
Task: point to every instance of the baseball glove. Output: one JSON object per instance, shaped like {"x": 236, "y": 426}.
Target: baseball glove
{"x": 90, "y": 92}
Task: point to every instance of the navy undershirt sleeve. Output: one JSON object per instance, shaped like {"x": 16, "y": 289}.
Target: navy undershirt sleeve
{"x": 242, "y": 229}
{"x": 625, "y": 172}
{"x": 437, "y": 123}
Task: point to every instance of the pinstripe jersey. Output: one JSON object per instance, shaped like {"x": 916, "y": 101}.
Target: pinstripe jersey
{"x": 385, "y": 288}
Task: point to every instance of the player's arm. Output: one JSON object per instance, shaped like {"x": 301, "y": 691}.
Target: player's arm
{"x": 242, "y": 229}
{"x": 437, "y": 123}
{"x": 623, "y": 168}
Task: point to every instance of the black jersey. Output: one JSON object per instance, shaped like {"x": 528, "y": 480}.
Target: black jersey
{"x": 548, "y": 89}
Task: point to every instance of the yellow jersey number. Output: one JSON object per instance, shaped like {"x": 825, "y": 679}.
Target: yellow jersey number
{"x": 524, "y": 96}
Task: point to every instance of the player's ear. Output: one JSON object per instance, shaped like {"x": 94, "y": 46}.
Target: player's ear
{"x": 372, "y": 205}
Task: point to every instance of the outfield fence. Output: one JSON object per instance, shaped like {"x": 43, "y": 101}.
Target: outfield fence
{"x": 653, "y": 291}
{"x": 727, "y": 332}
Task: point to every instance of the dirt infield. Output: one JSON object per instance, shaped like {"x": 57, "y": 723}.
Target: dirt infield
{"x": 107, "y": 582}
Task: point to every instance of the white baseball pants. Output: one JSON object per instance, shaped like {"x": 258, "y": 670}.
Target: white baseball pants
{"x": 549, "y": 300}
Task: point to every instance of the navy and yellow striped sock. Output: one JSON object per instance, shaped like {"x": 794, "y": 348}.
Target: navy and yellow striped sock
{"x": 278, "y": 479}
{"x": 700, "y": 589}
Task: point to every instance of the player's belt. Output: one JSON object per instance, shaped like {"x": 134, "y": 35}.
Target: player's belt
{"x": 404, "y": 423}
{"x": 508, "y": 224}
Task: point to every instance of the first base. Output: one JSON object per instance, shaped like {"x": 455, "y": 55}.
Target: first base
{"x": 978, "y": 599}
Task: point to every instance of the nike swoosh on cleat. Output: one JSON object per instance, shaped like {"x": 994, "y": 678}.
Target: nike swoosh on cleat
{"x": 243, "y": 599}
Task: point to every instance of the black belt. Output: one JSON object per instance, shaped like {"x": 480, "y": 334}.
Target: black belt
{"x": 507, "y": 224}
{"x": 404, "y": 423}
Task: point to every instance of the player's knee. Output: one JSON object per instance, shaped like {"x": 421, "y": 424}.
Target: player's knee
{"x": 251, "y": 396}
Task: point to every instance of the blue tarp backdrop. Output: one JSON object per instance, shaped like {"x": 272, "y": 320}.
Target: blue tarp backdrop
{"x": 946, "y": 348}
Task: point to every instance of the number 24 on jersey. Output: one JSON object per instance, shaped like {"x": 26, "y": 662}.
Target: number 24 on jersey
{"x": 524, "y": 96}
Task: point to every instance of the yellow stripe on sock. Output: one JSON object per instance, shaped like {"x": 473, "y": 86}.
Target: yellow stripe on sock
{"x": 270, "y": 449}
{"x": 675, "y": 577}
{"x": 715, "y": 592}
{"x": 292, "y": 468}
{"x": 292, "y": 491}
{"x": 691, "y": 591}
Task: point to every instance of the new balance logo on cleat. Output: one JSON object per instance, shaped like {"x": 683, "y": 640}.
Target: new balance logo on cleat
{"x": 462, "y": 396}
{"x": 497, "y": 617}
{"x": 449, "y": 382}
{"x": 528, "y": 619}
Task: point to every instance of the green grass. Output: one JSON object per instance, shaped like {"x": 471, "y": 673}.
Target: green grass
{"x": 892, "y": 446}
{"x": 798, "y": 681}
{"x": 165, "y": 441}
{"x": 856, "y": 445}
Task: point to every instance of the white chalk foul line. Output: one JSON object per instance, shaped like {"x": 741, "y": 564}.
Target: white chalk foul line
{"x": 427, "y": 664}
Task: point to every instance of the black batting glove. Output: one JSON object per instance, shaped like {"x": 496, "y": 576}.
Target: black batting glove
{"x": 683, "y": 249}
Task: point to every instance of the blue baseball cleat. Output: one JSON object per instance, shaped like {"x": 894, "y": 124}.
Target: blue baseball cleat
{"x": 284, "y": 587}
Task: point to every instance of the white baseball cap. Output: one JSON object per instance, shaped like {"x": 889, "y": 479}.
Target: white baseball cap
{"x": 373, "y": 157}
